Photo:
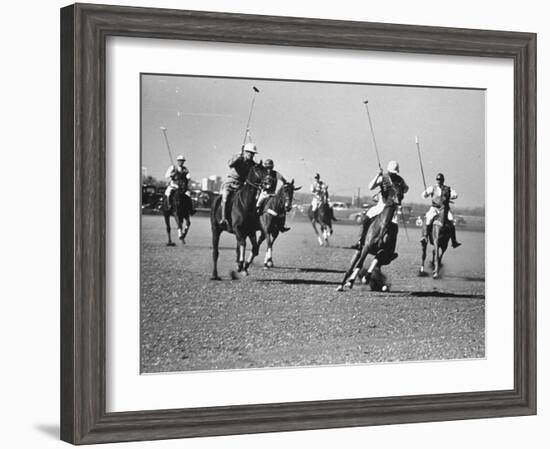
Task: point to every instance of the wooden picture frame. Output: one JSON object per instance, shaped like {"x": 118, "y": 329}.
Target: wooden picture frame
{"x": 84, "y": 29}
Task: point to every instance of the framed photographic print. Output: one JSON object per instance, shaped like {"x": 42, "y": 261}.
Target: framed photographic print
{"x": 274, "y": 223}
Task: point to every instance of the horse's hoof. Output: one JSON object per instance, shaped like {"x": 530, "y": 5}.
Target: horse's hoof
{"x": 349, "y": 285}
{"x": 422, "y": 274}
{"x": 340, "y": 288}
{"x": 170, "y": 244}
{"x": 233, "y": 275}
{"x": 244, "y": 272}
{"x": 215, "y": 278}
{"x": 435, "y": 276}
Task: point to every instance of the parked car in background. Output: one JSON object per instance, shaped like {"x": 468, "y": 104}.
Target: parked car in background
{"x": 339, "y": 205}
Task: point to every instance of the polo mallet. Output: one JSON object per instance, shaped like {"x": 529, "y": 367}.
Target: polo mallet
{"x": 163, "y": 129}
{"x": 247, "y": 131}
{"x": 366, "y": 103}
{"x": 420, "y": 160}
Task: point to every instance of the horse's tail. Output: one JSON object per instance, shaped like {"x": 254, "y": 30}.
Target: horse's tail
{"x": 332, "y": 214}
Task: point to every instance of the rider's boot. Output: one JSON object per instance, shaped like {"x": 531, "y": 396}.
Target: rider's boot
{"x": 168, "y": 201}
{"x": 224, "y": 220}
{"x": 454, "y": 242}
{"x": 426, "y": 232}
{"x": 362, "y": 233}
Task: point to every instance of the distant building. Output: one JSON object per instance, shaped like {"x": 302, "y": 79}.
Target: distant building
{"x": 212, "y": 183}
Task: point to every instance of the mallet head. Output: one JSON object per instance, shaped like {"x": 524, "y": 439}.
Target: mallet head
{"x": 255, "y": 89}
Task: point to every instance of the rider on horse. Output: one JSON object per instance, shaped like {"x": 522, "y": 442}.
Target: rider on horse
{"x": 179, "y": 179}
{"x": 240, "y": 165}
{"x": 392, "y": 190}
{"x": 436, "y": 191}
{"x": 320, "y": 193}
{"x": 269, "y": 186}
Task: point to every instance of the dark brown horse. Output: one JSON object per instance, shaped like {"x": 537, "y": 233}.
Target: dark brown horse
{"x": 380, "y": 242}
{"x": 323, "y": 216}
{"x": 440, "y": 235}
{"x": 244, "y": 222}
{"x": 272, "y": 218}
{"x": 180, "y": 207}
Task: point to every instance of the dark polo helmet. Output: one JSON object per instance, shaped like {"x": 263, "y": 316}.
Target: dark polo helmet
{"x": 440, "y": 177}
{"x": 268, "y": 163}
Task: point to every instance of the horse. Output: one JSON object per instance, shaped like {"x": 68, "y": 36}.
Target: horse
{"x": 323, "y": 216}
{"x": 439, "y": 237}
{"x": 244, "y": 222}
{"x": 272, "y": 218}
{"x": 380, "y": 242}
{"x": 180, "y": 206}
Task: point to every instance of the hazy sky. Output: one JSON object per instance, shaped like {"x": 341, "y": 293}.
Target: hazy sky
{"x": 310, "y": 127}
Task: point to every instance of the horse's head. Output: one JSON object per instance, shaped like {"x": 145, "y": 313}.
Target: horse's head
{"x": 256, "y": 174}
{"x": 288, "y": 192}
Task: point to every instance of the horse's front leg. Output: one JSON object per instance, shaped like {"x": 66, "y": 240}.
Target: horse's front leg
{"x": 326, "y": 233}
{"x": 424, "y": 246}
{"x": 437, "y": 261}
{"x": 268, "y": 260}
{"x": 241, "y": 249}
{"x": 319, "y": 238}
{"x": 254, "y": 250}
{"x": 215, "y": 253}
{"x": 353, "y": 270}
{"x": 168, "y": 230}
{"x": 366, "y": 278}
{"x": 185, "y": 228}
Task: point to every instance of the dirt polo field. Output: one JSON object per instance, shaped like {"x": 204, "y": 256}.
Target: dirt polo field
{"x": 291, "y": 315}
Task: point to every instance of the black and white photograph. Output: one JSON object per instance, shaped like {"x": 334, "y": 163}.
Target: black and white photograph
{"x": 292, "y": 223}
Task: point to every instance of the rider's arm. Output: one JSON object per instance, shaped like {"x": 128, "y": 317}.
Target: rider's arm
{"x": 428, "y": 192}
{"x": 169, "y": 172}
{"x": 376, "y": 182}
{"x": 454, "y": 195}
{"x": 233, "y": 161}
{"x": 405, "y": 187}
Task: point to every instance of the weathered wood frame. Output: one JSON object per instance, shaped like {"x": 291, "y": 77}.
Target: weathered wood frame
{"x": 84, "y": 29}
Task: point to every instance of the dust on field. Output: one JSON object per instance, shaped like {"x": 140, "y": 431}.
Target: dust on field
{"x": 291, "y": 315}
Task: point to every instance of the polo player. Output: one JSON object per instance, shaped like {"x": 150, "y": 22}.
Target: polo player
{"x": 435, "y": 192}
{"x": 269, "y": 186}
{"x": 179, "y": 179}
{"x": 240, "y": 165}
{"x": 320, "y": 193}
{"x": 392, "y": 190}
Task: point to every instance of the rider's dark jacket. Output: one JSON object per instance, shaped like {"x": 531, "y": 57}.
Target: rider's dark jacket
{"x": 240, "y": 167}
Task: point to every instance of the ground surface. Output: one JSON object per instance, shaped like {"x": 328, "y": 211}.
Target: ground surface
{"x": 291, "y": 315}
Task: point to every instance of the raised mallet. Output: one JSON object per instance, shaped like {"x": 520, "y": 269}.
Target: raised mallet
{"x": 163, "y": 129}
{"x": 247, "y": 130}
{"x": 366, "y": 103}
{"x": 420, "y": 160}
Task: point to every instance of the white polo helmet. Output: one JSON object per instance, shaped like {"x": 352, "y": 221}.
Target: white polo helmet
{"x": 180, "y": 158}
{"x": 250, "y": 148}
{"x": 393, "y": 167}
